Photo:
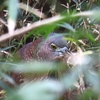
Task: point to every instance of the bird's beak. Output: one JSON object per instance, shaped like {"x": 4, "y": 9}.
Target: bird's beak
{"x": 63, "y": 50}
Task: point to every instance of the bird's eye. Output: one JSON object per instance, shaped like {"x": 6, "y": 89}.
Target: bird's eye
{"x": 53, "y": 46}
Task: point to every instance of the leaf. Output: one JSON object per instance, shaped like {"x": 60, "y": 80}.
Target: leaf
{"x": 67, "y": 26}
{"x": 46, "y": 89}
{"x": 6, "y": 77}
{"x": 6, "y": 48}
{"x": 95, "y": 13}
{"x": 89, "y": 36}
{"x": 13, "y": 10}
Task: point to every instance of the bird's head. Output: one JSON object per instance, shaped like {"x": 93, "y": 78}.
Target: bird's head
{"x": 53, "y": 48}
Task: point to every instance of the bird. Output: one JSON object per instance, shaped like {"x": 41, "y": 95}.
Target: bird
{"x": 54, "y": 47}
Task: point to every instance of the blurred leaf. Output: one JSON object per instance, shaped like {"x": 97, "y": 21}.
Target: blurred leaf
{"x": 13, "y": 10}
{"x": 94, "y": 80}
{"x": 7, "y": 78}
{"x": 88, "y": 94}
{"x": 71, "y": 39}
{"x": 79, "y": 23}
{"x": 32, "y": 66}
{"x": 69, "y": 78}
{"x": 67, "y": 26}
{"x": 47, "y": 28}
{"x": 6, "y": 48}
{"x": 4, "y": 86}
{"x": 75, "y": 1}
{"x": 47, "y": 89}
{"x": 44, "y": 30}
{"x": 92, "y": 14}
{"x": 89, "y": 36}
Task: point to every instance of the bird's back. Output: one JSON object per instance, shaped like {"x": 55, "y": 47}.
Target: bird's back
{"x": 27, "y": 51}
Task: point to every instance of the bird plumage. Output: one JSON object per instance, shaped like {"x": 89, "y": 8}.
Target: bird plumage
{"x": 53, "y": 48}
{"x": 44, "y": 49}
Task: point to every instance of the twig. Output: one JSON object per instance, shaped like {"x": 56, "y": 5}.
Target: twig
{"x": 32, "y": 10}
{"x": 3, "y": 22}
{"x": 31, "y": 27}
{"x": 5, "y": 52}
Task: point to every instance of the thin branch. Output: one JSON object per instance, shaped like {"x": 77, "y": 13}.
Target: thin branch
{"x": 32, "y": 10}
{"x": 31, "y": 27}
{"x": 3, "y": 22}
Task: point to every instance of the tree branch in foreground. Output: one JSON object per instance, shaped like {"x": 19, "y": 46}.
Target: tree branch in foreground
{"x": 31, "y": 27}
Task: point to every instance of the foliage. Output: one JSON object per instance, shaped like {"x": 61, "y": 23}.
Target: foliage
{"x": 79, "y": 78}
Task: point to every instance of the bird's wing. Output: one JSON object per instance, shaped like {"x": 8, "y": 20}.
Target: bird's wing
{"x": 27, "y": 51}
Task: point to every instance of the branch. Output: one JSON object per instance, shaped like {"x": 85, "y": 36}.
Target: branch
{"x": 32, "y": 10}
{"x": 31, "y": 27}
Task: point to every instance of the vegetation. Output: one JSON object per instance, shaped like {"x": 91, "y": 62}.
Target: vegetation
{"x": 26, "y": 20}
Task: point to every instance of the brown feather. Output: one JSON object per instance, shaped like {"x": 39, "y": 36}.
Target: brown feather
{"x": 28, "y": 50}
